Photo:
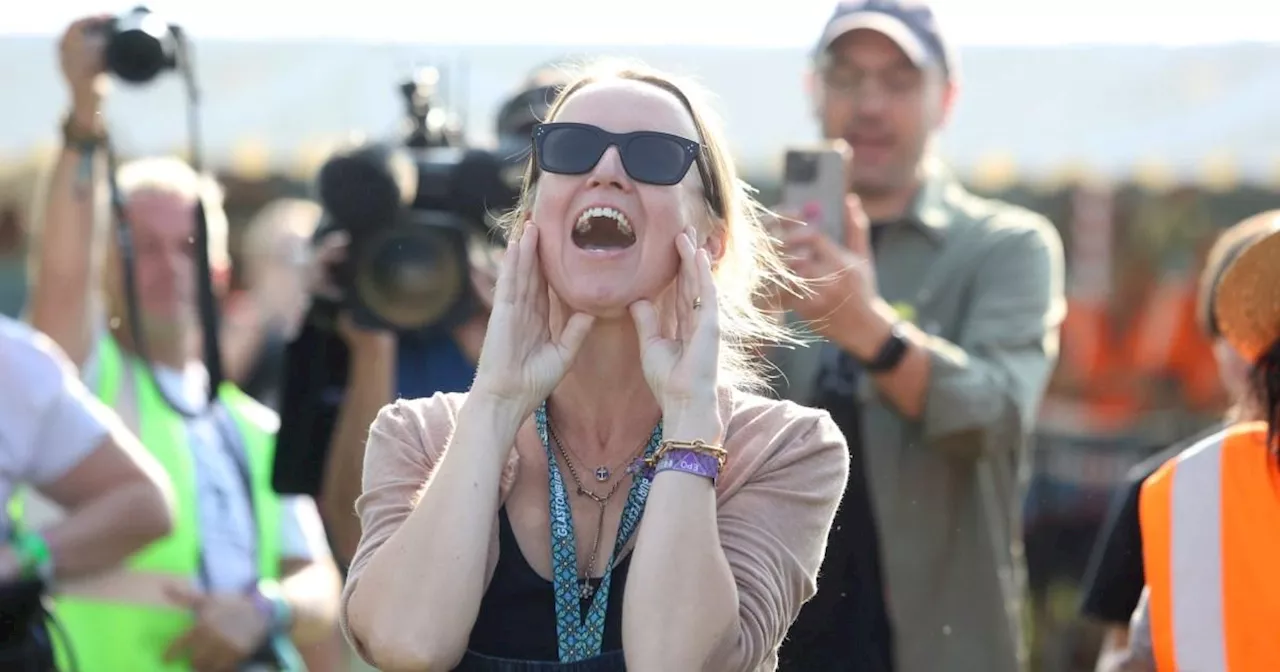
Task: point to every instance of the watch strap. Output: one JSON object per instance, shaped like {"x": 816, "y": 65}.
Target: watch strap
{"x": 890, "y": 354}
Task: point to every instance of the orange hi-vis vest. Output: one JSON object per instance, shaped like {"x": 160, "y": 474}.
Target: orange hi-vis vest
{"x": 1210, "y": 548}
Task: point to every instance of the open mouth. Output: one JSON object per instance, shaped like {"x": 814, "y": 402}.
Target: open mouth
{"x": 603, "y": 228}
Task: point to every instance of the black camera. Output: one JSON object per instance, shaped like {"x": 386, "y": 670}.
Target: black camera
{"x": 25, "y": 643}
{"x": 412, "y": 211}
{"x": 140, "y": 45}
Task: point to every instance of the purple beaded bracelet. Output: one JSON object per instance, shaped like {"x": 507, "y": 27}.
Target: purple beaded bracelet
{"x": 690, "y": 462}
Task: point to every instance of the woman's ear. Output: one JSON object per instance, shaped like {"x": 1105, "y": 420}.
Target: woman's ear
{"x": 713, "y": 243}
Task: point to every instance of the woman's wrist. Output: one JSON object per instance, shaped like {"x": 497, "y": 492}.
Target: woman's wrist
{"x": 498, "y": 417}
{"x": 692, "y": 419}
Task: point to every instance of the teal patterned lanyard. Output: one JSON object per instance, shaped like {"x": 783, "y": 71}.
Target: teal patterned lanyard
{"x": 580, "y": 636}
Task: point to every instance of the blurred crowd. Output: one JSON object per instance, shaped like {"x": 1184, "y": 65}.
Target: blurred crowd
{"x": 998, "y": 391}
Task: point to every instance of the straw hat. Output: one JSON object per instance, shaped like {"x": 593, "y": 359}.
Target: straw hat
{"x": 1247, "y": 301}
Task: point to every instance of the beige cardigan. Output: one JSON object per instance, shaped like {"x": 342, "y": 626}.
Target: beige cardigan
{"x": 776, "y": 501}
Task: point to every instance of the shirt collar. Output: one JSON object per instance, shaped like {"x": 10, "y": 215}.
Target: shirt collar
{"x": 930, "y": 209}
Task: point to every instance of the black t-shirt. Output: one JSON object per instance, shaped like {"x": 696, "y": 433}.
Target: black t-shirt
{"x": 845, "y": 627}
{"x": 1115, "y": 577}
{"x": 517, "y": 619}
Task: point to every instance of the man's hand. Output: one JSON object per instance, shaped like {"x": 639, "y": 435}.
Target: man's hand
{"x": 229, "y": 628}
{"x": 841, "y": 277}
{"x": 80, "y": 53}
{"x": 330, "y": 251}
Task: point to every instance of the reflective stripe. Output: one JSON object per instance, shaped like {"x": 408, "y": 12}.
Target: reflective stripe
{"x": 1195, "y": 537}
{"x": 1208, "y": 541}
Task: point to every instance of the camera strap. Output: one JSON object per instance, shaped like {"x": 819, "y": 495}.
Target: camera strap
{"x": 208, "y": 308}
{"x": 232, "y": 444}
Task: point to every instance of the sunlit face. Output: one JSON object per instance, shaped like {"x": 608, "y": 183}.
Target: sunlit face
{"x": 604, "y": 282}
{"x": 163, "y": 226}
{"x": 876, "y": 99}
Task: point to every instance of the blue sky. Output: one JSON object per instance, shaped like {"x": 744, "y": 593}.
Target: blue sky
{"x": 713, "y": 22}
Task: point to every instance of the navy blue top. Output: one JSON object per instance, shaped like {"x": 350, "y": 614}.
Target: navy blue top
{"x": 433, "y": 364}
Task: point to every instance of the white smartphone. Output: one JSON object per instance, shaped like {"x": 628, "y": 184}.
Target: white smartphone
{"x": 817, "y": 176}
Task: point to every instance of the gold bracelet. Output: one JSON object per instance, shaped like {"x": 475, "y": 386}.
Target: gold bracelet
{"x": 696, "y": 446}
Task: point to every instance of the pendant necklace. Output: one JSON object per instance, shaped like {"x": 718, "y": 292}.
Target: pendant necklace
{"x": 579, "y": 626}
{"x": 585, "y": 589}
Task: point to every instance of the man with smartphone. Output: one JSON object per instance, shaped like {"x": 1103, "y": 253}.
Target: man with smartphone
{"x": 940, "y": 313}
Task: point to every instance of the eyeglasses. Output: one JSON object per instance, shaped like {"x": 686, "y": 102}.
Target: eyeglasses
{"x": 650, "y": 157}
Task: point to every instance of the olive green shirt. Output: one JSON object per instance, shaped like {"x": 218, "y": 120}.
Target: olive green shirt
{"x": 984, "y": 280}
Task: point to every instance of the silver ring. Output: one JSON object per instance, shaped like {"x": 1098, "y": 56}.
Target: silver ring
{"x": 697, "y": 302}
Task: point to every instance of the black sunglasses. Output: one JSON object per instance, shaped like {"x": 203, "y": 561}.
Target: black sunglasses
{"x": 650, "y": 157}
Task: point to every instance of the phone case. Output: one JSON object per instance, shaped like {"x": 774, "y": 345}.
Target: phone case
{"x": 816, "y": 176}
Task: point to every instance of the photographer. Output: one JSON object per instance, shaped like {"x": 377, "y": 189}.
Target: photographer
{"x": 383, "y": 368}
{"x": 244, "y": 570}
{"x": 55, "y": 436}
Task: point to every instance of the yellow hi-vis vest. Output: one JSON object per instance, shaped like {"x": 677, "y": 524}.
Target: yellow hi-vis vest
{"x": 119, "y": 637}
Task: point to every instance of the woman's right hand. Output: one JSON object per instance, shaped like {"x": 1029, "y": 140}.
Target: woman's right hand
{"x": 521, "y": 360}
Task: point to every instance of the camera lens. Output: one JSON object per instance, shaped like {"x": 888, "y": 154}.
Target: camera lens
{"x": 411, "y": 277}
{"x": 141, "y": 48}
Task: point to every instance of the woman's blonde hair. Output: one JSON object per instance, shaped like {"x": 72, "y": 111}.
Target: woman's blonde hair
{"x": 750, "y": 268}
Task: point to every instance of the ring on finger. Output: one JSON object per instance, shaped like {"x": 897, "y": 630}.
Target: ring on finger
{"x": 697, "y": 302}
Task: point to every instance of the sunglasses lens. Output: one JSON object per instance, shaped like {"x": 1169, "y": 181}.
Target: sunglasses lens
{"x": 570, "y": 150}
{"x": 656, "y": 159}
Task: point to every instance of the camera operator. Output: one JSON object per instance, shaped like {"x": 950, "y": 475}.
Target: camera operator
{"x": 941, "y": 312}
{"x": 55, "y": 436}
{"x": 382, "y": 369}
{"x": 244, "y": 569}
{"x": 260, "y": 319}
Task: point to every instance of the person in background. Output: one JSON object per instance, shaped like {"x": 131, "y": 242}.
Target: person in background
{"x": 264, "y": 316}
{"x": 1209, "y": 516}
{"x": 55, "y": 436}
{"x": 245, "y": 570}
{"x": 941, "y": 325}
{"x": 1115, "y": 578}
{"x": 607, "y": 495}
{"x": 383, "y": 367}
{"x": 1135, "y": 374}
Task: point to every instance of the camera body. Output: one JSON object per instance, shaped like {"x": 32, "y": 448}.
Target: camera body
{"x": 24, "y": 640}
{"x": 411, "y": 211}
{"x": 140, "y": 45}
{"x": 414, "y": 211}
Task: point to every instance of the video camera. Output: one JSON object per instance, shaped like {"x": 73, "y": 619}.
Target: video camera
{"x": 411, "y": 211}
{"x": 414, "y": 212}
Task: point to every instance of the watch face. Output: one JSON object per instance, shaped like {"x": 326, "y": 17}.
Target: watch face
{"x": 891, "y": 353}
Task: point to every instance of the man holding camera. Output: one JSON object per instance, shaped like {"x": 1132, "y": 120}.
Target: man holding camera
{"x": 940, "y": 311}
{"x": 382, "y": 368}
{"x": 244, "y": 569}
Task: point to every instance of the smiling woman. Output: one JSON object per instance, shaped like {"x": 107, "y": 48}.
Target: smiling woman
{"x": 502, "y": 526}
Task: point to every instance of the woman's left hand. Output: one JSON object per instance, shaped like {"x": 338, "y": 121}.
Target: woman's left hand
{"x": 681, "y": 361}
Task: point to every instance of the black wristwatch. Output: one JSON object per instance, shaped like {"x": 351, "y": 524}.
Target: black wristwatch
{"x": 890, "y": 354}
